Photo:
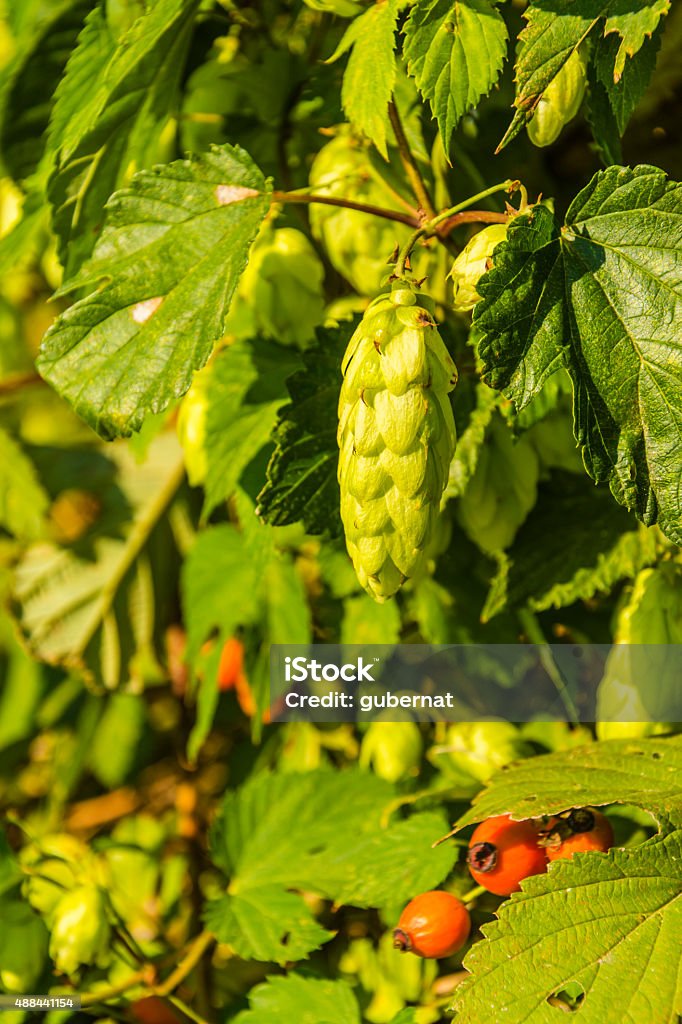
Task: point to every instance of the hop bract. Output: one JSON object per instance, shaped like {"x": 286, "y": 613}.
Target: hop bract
{"x": 560, "y": 102}
{"x": 472, "y": 263}
{"x": 396, "y": 437}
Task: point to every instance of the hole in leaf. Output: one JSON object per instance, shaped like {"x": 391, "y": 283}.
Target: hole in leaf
{"x": 569, "y": 998}
{"x": 284, "y": 941}
{"x": 656, "y": 756}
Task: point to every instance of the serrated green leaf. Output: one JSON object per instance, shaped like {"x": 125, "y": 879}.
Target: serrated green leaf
{"x": 244, "y": 394}
{"x": 455, "y": 50}
{"x": 304, "y": 1000}
{"x": 645, "y": 773}
{"x": 603, "y": 296}
{"x": 553, "y": 33}
{"x": 608, "y": 922}
{"x": 80, "y": 607}
{"x": 598, "y": 548}
{"x": 555, "y": 30}
{"x": 23, "y": 501}
{"x": 633, "y": 26}
{"x": 87, "y": 62}
{"x": 625, "y": 89}
{"x": 301, "y": 475}
{"x": 614, "y": 97}
{"x": 280, "y": 833}
{"x": 370, "y": 74}
{"x": 125, "y": 104}
{"x": 29, "y": 93}
{"x": 164, "y": 273}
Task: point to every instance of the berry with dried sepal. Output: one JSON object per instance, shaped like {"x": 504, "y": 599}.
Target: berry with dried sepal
{"x": 433, "y": 925}
{"x": 503, "y": 852}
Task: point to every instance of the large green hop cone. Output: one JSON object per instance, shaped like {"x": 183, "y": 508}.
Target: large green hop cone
{"x": 396, "y": 437}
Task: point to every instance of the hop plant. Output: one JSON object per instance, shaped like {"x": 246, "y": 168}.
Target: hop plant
{"x": 280, "y": 293}
{"x": 502, "y": 490}
{"x": 393, "y": 749}
{"x": 52, "y": 866}
{"x": 560, "y": 102}
{"x": 358, "y": 246}
{"x": 481, "y": 748}
{"x": 396, "y": 437}
{"x": 472, "y": 263}
{"x": 80, "y": 930}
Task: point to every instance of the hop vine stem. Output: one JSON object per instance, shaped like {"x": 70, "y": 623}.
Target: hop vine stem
{"x": 447, "y": 221}
{"x": 430, "y": 227}
{"x": 412, "y": 171}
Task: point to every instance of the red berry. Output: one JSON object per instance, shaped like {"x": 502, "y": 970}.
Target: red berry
{"x": 580, "y": 831}
{"x": 434, "y": 924}
{"x": 503, "y": 852}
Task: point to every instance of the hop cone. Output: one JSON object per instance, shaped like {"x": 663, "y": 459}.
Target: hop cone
{"x": 396, "y": 438}
{"x": 280, "y": 293}
{"x": 358, "y": 246}
{"x": 472, "y": 263}
{"x": 560, "y": 101}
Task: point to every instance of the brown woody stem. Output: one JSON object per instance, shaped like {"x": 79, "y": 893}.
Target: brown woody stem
{"x": 348, "y": 204}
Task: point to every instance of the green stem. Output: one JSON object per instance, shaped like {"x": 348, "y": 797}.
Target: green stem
{"x": 533, "y": 630}
{"x": 412, "y": 171}
{"x": 347, "y": 204}
{"x": 187, "y": 1010}
{"x": 430, "y": 227}
{"x": 104, "y": 995}
{"x": 473, "y": 894}
{"x": 186, "y": 965}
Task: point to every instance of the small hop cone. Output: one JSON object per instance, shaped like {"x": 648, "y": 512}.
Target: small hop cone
{"x": 396, "y": 438}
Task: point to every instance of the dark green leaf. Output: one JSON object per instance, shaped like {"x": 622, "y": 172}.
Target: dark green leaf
{"x": 598, "y": 548}
{"x": 613, "y": 99}
{"x": 603, "y": 296}
{"x": 301, "y": 476}
{"x": 164, "y": 273}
